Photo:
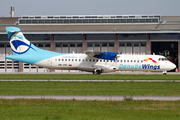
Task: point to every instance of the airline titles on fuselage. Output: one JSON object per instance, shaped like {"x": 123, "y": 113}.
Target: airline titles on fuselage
{"x": 143, "y": 66}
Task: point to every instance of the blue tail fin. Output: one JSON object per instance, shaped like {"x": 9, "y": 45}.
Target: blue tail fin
{"x": 25, "y": 51}
{"x": 19, "y": 44}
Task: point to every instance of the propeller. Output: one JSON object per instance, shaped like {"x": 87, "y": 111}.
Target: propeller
{"x": 116, "y": 57}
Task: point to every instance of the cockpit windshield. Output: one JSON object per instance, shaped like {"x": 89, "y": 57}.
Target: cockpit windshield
{"x": 162, "y": 59}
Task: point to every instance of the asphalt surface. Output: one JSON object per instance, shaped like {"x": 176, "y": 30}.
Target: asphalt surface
{"x": 98, "y": 80}
{"x": 82, "y": 72}
{"x": 99, "y": 98}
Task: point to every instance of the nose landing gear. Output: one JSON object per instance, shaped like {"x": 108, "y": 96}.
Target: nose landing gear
{"x": 164, "y": 72}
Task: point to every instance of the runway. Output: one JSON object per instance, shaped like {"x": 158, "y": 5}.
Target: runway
{"x": 97, "y": 80}
{"x": 99, "y": 98}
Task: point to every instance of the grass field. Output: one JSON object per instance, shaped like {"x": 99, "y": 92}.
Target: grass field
{"x": 89, "y": 77}
{"x": 90, "y": 88}
{"x": 49, "y": 109}
{"x": 41, "y": 109}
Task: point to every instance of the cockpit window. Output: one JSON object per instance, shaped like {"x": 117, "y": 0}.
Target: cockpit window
{"x": 162, "y": 59}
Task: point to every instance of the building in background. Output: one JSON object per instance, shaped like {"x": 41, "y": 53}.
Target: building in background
{"x": 126, "y": 34}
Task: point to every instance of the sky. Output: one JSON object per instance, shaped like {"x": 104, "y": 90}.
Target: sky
{"x": 90, "y": 7}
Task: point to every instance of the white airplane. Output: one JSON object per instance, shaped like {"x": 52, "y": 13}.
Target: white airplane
{"x": 91, "y": 61}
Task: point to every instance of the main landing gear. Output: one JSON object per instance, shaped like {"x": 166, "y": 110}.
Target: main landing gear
{"x": 97, "y": 71}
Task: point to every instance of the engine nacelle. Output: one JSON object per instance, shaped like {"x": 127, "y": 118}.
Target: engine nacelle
{"x": 107, "y": 55}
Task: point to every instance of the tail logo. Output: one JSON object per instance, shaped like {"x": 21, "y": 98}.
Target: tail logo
{"x": 19, "y": 44}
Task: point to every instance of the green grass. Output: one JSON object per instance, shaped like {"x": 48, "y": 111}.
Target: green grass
{"x": 41, "y": 109}
{"x": 90, "y": 88}
{"x": 49, "y": 109}
{"x": 89, "y": 77}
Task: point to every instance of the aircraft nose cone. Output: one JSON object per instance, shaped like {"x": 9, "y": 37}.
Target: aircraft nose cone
{"x": 173, "y": 66}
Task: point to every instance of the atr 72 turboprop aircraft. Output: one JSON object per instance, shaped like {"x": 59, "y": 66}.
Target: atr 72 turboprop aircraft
{"x": 91, "y": 61}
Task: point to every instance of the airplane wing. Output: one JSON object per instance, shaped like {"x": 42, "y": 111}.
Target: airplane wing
{"x": 92, "y": 53}
{"x": 103, "y": 55}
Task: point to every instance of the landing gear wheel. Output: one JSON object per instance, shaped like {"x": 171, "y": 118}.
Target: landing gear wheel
{"x": 164, "y": 72}
{"x": 96, "y": 71}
